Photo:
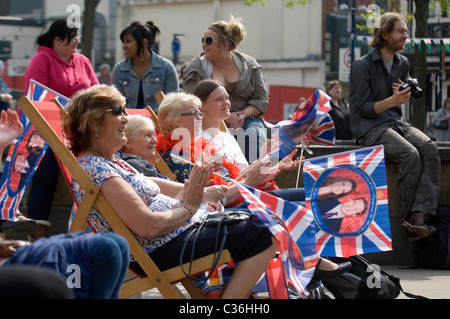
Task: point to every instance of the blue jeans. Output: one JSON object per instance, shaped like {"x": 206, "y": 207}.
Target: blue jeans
{"x": 251, "y": 138}
{"x": 43, "y": 187}
{"x": 102, "y": 259}
{"x": 110, "y": 256}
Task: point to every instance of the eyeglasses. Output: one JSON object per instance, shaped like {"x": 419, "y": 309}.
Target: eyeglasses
{"x": 209, "y": 40}
{"x": 193, "y": 114}
{"x": 117, "y": 110}
{"x": 402, "y": 31}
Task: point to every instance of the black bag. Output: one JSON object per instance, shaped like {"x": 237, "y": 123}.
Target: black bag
{"x": 365, "y": 281}
{"x": 443, "y": 125}
{"x": 434, "y": 251}
{"x": 219, "y": 219}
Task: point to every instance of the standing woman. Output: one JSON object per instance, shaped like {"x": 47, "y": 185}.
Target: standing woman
{"x": 143, "y": 72}
{"x": 57, "y": 66}
{"x": 242, "y": 77}
{"x": 339, "y": 111}
{"x": 442, "y": 116}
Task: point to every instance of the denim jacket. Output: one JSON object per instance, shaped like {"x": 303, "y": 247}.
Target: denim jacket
{"x": 160, "y": 76}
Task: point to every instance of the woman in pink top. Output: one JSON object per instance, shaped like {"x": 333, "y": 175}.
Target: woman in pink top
{"x": 57, "y": 66}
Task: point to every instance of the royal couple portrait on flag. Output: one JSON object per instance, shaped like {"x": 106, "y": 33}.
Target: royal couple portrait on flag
{"x": 346, "y": 207}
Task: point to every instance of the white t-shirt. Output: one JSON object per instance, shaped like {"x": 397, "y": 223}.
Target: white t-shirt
{"x": 229, "y": 147}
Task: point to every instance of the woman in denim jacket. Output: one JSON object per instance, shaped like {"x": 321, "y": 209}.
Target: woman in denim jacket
{"x": 143, "y": 72}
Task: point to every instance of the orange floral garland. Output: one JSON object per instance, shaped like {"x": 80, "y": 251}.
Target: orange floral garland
{"x": 166, "y": 144}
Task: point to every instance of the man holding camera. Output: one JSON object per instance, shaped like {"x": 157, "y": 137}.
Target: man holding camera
{"x": 379, "y": 85}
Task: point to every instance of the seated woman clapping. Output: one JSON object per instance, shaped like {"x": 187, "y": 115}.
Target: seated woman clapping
{"x": 96, "y": 129}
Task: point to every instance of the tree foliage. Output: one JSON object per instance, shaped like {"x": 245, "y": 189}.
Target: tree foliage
{"x": 287, "y": 3}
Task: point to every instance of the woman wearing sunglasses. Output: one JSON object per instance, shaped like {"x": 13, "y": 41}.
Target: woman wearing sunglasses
{"x": 59, "y": 67}
{"x": 143, "y": 73}
{"x": 242, "y": 77}
{"x": 160, "y": 222}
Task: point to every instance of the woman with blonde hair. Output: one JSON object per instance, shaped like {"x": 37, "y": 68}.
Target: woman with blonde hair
{"x": 242, "y": 77}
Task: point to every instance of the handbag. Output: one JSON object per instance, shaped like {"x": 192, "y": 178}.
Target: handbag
{"x": 442, "y": 126}
{"x": 219, "y": 219}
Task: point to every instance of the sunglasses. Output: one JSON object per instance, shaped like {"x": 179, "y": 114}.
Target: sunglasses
{"x": 193, "y": 114}
{"x": 117, "y": 110}
{"x": 208, "y": 40}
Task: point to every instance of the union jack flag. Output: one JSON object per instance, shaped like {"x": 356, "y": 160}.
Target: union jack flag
{"x": 39, "y": 92}
{"x": 361, "y": 184}
{"x": 309, "y": 124}
{"x": 11, "y": 191}
{"x": 293, "y": 227}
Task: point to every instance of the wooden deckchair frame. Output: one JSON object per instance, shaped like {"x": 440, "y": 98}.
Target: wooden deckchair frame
{"x": 93, "y": 196}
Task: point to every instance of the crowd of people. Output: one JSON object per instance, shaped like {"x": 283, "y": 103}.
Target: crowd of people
{"x": 219, "y": 85}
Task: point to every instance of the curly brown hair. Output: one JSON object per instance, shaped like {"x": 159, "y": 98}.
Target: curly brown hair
{"x": 387, "y": 23}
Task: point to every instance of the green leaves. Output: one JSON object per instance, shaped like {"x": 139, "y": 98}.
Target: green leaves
{"x": 287, "y": 3}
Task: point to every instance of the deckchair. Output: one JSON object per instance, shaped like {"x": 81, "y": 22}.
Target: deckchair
{"x": 51, "y": 131}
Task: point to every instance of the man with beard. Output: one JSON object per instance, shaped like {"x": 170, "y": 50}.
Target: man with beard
{"x": 376, "y": 118}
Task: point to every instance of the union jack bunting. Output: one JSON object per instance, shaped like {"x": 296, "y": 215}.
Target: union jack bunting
{"x": 293, "y": 227}
{"x": 310, "y": 123}
{"x": 347, "y": 193}
{"x": 28, "y": 149}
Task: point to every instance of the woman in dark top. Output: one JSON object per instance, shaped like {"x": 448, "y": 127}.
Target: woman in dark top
{"x": 339, "y": 111}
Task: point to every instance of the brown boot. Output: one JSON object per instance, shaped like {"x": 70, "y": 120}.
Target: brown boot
{"x": 42, "y": 231}
{"x": 417, "y": 227}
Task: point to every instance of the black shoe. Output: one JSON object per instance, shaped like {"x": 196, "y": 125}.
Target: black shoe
{"x": 19, "y": 227}
{"x": 327, "y": 274}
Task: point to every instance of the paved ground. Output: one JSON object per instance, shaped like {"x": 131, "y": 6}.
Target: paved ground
{"x": 432, "y": 284}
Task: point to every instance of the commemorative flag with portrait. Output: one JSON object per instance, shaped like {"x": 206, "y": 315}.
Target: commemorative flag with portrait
{"x": 24, "y": 155}
{"x": 348, "y": 195}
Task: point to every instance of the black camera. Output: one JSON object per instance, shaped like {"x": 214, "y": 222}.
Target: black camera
{"x": 416, "y": 91}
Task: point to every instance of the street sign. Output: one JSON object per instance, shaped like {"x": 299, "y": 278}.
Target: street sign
{"x": 345, "y": 62}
